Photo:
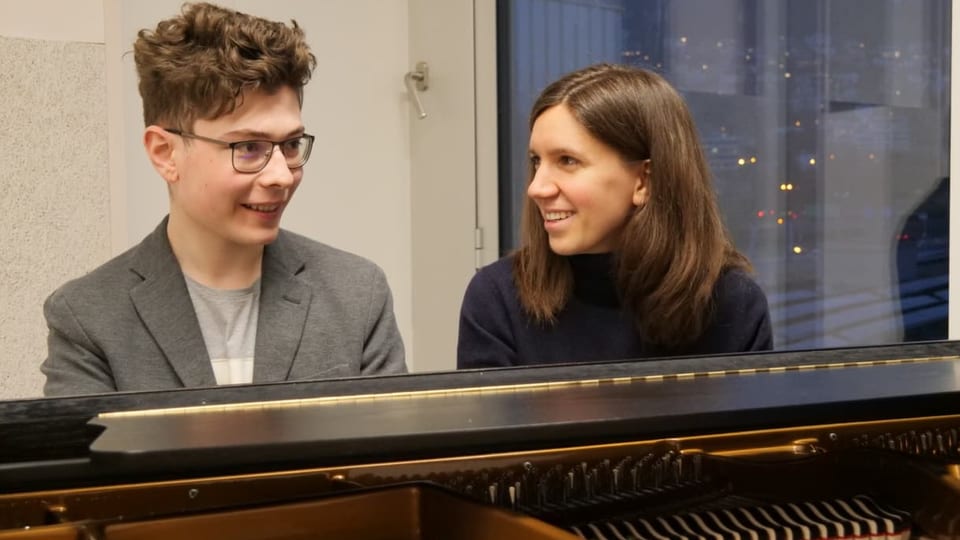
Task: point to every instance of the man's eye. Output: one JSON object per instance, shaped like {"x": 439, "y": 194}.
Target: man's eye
{"x": 293, "y": 147}
{"x": 249, "y": 148}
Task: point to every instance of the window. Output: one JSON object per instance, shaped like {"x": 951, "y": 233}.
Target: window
{"x": 826, "y": 123}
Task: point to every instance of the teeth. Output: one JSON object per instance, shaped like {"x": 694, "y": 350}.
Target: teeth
{"x": 555, "y": 216}
{"x": 263, "y": 207}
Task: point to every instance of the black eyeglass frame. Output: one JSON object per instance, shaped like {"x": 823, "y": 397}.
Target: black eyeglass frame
{"x": 233, "y": 145}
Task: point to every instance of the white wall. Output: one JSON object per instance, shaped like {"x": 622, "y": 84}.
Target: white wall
{"x": 54, "y": 211}
{"x": 53, "y": 20}
{"x": 357, "y": 192}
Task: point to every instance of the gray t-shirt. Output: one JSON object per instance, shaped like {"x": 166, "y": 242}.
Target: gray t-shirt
{"x": 228, "y": 322}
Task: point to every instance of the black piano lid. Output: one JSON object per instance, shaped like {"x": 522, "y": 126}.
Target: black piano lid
{"x": 604, "y": 403}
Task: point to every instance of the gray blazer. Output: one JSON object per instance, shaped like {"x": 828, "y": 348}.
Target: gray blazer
{"x": 130, "y": 324}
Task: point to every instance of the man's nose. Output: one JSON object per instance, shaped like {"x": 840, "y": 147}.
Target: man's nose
{"x": 277, "y": 172}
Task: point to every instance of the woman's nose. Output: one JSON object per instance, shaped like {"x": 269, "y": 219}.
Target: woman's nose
{"x": 541, "y": 186}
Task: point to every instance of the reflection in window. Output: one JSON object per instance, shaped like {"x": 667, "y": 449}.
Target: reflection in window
{"x": 826, "y": 123}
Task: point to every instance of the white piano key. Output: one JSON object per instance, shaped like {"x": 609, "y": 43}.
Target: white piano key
{"x": 651, "y": 530}
{"x": 669, "y": 529}
{"x": 888, "y": 527}
{"x": 682, "y": 523}
{"x": 866, "y": 528}
{"x": 901, "y": 520}
{"x": 843, "y": 528}
{"x": 634, "y": 533}
{"x": 785, "y": 518}
{"x": 615, "y": 531}
{"x": 732, "y": 530}
{"x": 752, "y": 523}
{"x": 597, "y": 533}
{"x": 818, "y": 528}
{"x": 710, "y": 528}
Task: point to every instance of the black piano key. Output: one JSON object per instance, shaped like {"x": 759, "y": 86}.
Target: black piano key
{"x": 881, "y": 527}
{"x": 900, "y": 523}
{"x": 635, "y": 533}
{"x": 862, "y": 527}
{"x": 727, "y": 530}
{"x": 576, "y": 530}
{"x": 750, "y": 519}
{"x": 681, "y": 523}
{"x": 646, "y": 529}
{"x": 668, "y": 528}
{"x": 746, "y": 530}
{"x": 777, "y": 515}
{"x": 596, "y": 532}
{"x": 818, "y": 528}
{"x": 710, "y": 529}
{"x": 836, "y": 527}
{"x": 616, "y": 534}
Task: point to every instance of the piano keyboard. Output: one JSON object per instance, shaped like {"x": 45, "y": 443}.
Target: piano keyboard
{"x": 858, "y": 517}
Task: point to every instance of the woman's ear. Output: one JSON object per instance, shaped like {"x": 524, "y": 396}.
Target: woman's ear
{"x": 641, "y": 187}
{"x": 159, "y": 144}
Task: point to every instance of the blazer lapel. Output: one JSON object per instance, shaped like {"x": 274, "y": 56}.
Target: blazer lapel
{"x": 284, "y": 304}
{"x": 165, "y": 308}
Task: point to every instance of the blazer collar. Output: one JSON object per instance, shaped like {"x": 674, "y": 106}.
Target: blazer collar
{"x": 164, "y": 305}
{"x": 284, "y": 304}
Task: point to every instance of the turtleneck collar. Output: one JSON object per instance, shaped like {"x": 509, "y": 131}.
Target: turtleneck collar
{"x": 593, "y": 280}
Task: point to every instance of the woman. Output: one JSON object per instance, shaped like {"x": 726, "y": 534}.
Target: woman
{"x": 624, "y": 253}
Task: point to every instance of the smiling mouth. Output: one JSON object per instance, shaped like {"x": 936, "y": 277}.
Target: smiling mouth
{"x": 556, "y": 216}
{"x": 262, "y": 207}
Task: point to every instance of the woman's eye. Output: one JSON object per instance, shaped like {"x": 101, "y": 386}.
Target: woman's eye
{"x": 568, "y": 161}
{"x": 534, "y": 162}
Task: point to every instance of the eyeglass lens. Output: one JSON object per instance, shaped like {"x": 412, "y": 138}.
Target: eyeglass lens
{"x": 253, "y": 155}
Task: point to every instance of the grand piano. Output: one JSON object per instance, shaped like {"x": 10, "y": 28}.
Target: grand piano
{"x": 842, "y": 443}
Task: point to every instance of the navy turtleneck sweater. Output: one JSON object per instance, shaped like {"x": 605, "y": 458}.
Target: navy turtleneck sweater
{"x": 495, "y": 332}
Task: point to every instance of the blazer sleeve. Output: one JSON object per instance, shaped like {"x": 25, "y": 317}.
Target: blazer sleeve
{"x": 74, "y": 364}
{"x": 485, "y": 338}
{"x": 383, "y": 351}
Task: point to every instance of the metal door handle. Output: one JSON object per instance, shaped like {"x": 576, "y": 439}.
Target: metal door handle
{"x": 418, "y": 81}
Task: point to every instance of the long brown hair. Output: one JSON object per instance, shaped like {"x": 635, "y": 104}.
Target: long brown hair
{"x": 674, "y": 248}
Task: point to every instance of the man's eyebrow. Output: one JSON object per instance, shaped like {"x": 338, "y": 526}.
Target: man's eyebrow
{"x": 255, "y": 134}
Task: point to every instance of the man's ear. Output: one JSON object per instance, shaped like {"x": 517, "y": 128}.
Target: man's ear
{"x": 159, "y": 145}
{"x": 641, "y": 187}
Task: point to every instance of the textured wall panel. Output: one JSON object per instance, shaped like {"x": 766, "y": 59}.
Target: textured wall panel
{"x": 54, "y": 190}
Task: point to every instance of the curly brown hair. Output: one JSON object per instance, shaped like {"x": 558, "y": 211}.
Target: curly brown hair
{"x": 199, "y": 63}
{"x": 674, "y": 248}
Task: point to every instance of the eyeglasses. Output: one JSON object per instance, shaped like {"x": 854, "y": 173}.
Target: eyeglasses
{"x": 253, "y": 156}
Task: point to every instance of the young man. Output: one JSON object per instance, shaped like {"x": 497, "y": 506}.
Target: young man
{"x": 218, "y": 293}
